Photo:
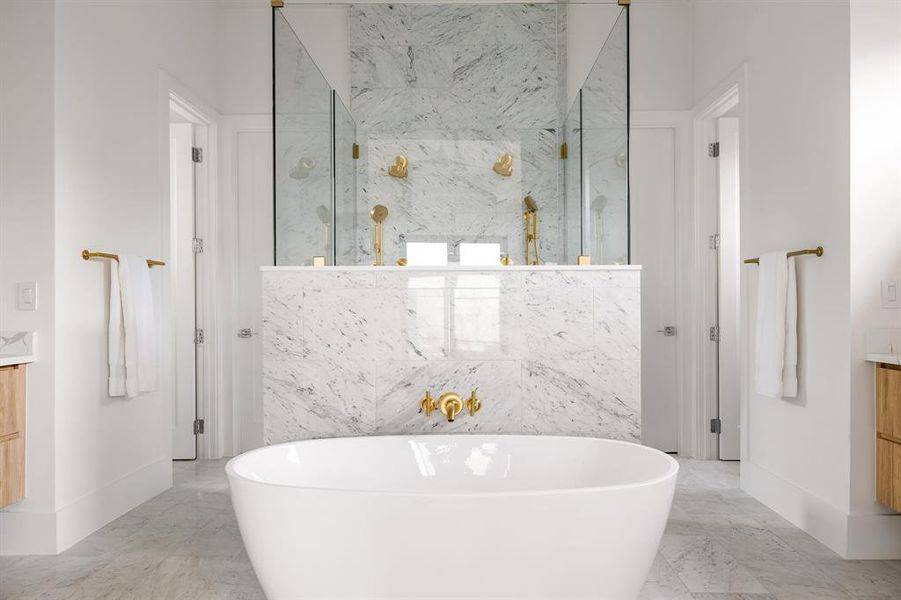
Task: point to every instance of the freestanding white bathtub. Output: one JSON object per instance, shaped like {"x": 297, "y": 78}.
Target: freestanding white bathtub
{"x": 452, "y": 517}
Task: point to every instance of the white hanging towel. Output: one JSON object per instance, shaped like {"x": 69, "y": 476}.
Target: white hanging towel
{"x": 132, "y": 329}
{"x": 777, "y": 327}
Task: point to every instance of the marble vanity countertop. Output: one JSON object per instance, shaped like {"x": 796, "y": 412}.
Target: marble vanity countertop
{"x": 889, "y": 359}
{"x": 16, "y": 348}
{"x": 459, "y": 268}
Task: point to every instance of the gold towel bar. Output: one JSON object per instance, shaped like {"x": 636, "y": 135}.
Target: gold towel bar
{"x": 87, "y": 255}
{"x": 818, "y": 251}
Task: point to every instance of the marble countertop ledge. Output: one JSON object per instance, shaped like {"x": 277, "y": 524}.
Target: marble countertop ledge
{"x": 17, "y": 348}
{"x": 889, "y": 359}
{"x": 457, "y": 268}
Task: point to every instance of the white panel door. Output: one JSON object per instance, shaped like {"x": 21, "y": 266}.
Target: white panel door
{"x": 253, "y": 157}
{"x": 652, "y": 206}
{"x": 181, "y": 190}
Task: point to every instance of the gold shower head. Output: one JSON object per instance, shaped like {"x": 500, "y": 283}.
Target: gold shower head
{"x": 379, "y": 213}
{"x": 529, "y": 203}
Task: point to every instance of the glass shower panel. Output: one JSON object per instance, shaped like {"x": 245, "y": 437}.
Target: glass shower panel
{"x": 304, "y": 166}
{"x": 604, "y": 152}
{"x": 572, "y": 181}
{"x": 345, "y": 222}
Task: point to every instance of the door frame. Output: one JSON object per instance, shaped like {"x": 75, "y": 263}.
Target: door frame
{"x": 680, "y": 121}
{"x": 174, "y": 94}
{"x": 730, "y": 96}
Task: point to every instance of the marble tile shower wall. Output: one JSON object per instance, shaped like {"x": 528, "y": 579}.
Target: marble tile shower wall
{"x": 453, "y": 87}
{"x": 351, "y": 351}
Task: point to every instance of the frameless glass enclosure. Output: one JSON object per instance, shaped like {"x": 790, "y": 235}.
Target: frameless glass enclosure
{"x": 476, "y": 132}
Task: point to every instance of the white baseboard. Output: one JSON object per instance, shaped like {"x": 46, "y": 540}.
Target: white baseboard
{"x": 822, "y": 520}
{"x": 876, "y": 537}
{"x": 54, "y": 532}
{"x": 94, "y": 510}
{"x": 24, "y": 532}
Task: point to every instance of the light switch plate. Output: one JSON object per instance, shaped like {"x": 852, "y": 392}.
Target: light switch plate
{"x": 891, "y": 293}
{"x": 27, "y": 295}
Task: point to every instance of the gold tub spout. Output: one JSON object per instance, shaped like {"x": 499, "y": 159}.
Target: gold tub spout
{"x": 450, "y": 404}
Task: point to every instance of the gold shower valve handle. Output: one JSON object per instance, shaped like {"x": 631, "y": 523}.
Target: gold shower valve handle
{"x": 399, "y": 168}
{"x": 473, "y": 403}
{"x": 428, "y": 404}
{"x": 450, "y": 404}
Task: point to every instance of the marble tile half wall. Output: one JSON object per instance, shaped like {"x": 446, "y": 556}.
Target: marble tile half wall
{"x": 351, "y": 351}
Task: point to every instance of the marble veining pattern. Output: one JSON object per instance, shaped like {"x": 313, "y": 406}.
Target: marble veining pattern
{"x": 453, "y": 87}
{"x": 185, "y": 544}
{"x": 351, "y": 351}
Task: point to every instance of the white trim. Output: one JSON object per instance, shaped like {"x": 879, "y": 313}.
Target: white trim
{"x": 94, "y": 510}
{"x": 680, "y": 123}
{"x": 729, "y": 96}
{"x": 825, "y": 522}
{"x": 209, "y": 379}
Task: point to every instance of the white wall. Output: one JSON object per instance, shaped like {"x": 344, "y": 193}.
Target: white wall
{"x": 875, "y": 218}
{"x": 811, "y": 458}
{"x": 661, "y": 55}
{"x": 26, "y": 248}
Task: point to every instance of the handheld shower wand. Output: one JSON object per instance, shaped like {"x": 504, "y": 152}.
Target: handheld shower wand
{"x": 378, "y": 213}
{"x": 530, "y": 216}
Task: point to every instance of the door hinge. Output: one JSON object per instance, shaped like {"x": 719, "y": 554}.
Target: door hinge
{"x": 198, "y": 336}
{"x": 715, "y": 241}
{"x": 716, "y": 426}
{"x": 564, "y": 151}
{"x": 713, "y": 150}
{"x": 198, "y": 426}
{"x": 355, "y": 151}
{"x": 245, "y": 332}
{"x": 197, "y": 155}
{"x": 197, "y": 245}
{"x": 715, "y": 333}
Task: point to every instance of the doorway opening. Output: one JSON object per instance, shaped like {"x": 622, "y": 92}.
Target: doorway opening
{"x": 187, "y": 190}
{"x": 719, "y": 123}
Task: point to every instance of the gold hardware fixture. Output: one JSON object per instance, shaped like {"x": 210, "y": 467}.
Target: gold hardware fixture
{"x": 278, "y": 3}
{"x": 428, "y": 404}
{"x": 401, "y": 262}
{"x": 318, "y": 261}
{"x": 584, "y": 261}
{"x": 506, "y": 260}
{"x": 450, "y": 404}
{"x": 564, "y": 150}
{"x": 530, "y": 216}
{"x": 624, "y": 2}
{"x": 355, "y": 152}
{"x": 87, "y": 255}
{"x": 473, "y": 403}
{"x": 504, "y": 165}
{"x": 399, "y": 168}
{"x": 378, "y": 213}
{"x": 818, "y": 251}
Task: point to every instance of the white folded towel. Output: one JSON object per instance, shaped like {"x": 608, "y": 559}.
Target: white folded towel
{"x": 132, "y": 329}
{"x": 777, "y": 327}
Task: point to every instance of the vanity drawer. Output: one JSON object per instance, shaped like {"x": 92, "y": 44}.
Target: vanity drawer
{"x": 12, "y": 401}
{"x": 12, "y": 470}
{"x": 888, "y": 401}
{"x": 888, "y": 473}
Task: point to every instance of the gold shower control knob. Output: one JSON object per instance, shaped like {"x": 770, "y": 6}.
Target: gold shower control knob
{"x": 428, "y": 404}
{"x": 473, "y": 403}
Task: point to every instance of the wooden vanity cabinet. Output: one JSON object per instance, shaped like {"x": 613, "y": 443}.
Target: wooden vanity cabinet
{"x": 12, "y": 434}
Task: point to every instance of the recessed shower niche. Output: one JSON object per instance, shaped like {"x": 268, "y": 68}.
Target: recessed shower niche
{"x": 503, "y": 125}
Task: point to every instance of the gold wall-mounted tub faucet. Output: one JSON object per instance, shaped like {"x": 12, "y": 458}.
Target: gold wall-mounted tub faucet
{"x": 450, "y": 404}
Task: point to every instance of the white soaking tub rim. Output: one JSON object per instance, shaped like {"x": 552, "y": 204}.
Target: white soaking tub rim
{"x": 233, "y": 467}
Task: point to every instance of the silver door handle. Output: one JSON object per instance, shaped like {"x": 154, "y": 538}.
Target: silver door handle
{"x": 669, "y": 330}
{"x": 246, "y": 332}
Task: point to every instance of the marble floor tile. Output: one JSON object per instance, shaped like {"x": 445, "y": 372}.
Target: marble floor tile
{"x": 719, "y": 544}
